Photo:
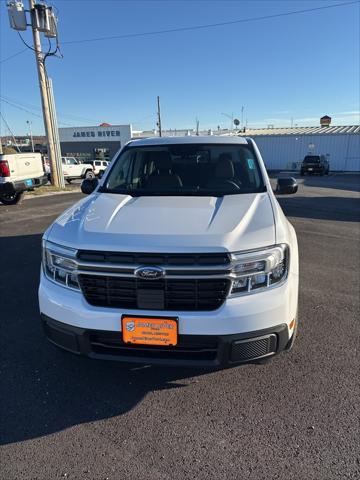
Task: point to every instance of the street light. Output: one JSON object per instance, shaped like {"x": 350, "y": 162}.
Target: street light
{"x": 231, "y": 118}
{"x": 31, "y": 137}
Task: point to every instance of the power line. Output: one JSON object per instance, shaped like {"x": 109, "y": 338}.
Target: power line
{"x": 14, "y": 55}
{"x": 25, "y": 106}
{"x": 28, "y": 111}
{"x": 210, "y": 25}
{"x": 10, "y": 131}
{"x": 196, "y": 27}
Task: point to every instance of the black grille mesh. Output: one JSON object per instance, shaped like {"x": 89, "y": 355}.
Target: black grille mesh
{"x": 164, "y": 294}
{"x": 247, "y": 349}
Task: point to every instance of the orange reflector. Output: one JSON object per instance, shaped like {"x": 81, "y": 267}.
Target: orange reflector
{"x": 292, "y": 324}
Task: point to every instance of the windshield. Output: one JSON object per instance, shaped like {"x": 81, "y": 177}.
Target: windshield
{"x": 312, "y": 159}
{"x": 214, "y": 170}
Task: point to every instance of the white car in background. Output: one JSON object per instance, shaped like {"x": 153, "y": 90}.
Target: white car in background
{"x": 73, "y": 169}
{"x": 99, "y": 166}
{"x": 180, "y": 255}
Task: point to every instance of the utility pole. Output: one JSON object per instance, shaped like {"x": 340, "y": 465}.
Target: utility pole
{"x": 197, "y": 126}
{"x": 31, "y": 136}
{"x": 44, "y": 98}
{"x": 242, "y": 116}
{"x": 159, "y": 116}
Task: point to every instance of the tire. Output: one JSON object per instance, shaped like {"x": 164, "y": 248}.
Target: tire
{"x": 68, "y": 180}
{"x": 12, "y": 198}
{"x": 89, "y": 174}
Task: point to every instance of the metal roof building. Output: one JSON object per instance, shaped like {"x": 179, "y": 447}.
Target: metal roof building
{"x": 284, "y": 148}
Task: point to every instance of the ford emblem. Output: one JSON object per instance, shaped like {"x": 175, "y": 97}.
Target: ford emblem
{"x": 149, "y": 273}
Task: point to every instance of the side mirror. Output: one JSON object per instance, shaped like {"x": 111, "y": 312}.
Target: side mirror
{"x": 89, "y": 185}
{"x": 286, "y": 186}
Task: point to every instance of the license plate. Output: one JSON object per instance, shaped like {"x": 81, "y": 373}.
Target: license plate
{"x": 28, "y": 183}
{"x": 149, "y": 331}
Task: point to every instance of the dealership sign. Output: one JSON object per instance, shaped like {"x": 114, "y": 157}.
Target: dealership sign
{"x": 111, "y": 133}
{"x": 99, "y": 133}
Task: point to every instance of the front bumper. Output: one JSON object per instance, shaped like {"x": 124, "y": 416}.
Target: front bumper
{"x": 14, "y": 187}
{"x": 191, "y": 350}
{"x": 205, "y": 338}
{"x": 313, "y": 169}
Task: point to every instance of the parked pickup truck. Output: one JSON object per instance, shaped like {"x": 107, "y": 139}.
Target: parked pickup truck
{"x": 99, "y": 166}
{"x": 180, "y": 255}
{"x": 73, "y": 169}
{"x": 315, "y": 164}
{"x": 20, "y": 172}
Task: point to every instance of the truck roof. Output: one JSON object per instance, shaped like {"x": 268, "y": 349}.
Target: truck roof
{"x": 188, "y": 140}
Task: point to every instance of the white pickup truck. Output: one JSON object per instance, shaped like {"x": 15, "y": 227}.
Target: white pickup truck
{"x": 20, "y": 172}
{"x": 73, "y": 169}
{"x": 181, "y": 255}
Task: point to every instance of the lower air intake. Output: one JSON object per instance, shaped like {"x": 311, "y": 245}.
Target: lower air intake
{"x": 242, "y": 350}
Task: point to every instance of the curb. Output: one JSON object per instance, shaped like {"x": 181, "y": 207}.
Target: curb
{"x": 49, "y": 194}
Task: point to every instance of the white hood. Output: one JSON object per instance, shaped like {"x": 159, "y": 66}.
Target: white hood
{"x": 167, "y": 224}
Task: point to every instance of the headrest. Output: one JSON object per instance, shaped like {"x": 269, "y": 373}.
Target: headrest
{"x": 225, "y": 167}
{"x": 162, "y": 161}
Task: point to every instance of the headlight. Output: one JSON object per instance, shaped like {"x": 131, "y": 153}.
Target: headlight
{"x": 259, "y": 269}
{"x": 59, "y": 264}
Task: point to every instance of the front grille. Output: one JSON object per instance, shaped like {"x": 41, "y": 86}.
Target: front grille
{"x": 109, "y": 343}
{"x": 165, "y": 294}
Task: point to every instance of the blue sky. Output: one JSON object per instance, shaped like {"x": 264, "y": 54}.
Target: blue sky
{"x": 301, "y": 66}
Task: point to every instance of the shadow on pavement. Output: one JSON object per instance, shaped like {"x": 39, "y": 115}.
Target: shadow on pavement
{"x": 44, "y": 389}
{"x": 345, "y": 209}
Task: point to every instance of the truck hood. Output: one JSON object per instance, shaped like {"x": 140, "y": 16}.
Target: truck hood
{"x": 167, "y": 224}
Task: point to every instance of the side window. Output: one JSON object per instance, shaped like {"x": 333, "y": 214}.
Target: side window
{"x": 98, "y": 164}
{"x": 105, "y": 164}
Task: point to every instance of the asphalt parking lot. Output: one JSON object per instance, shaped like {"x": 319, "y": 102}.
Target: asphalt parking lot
{"x": 63, "y": 416}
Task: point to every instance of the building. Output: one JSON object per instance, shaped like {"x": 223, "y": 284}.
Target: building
{"x": 98, "y": 142}
{"x": 285, "y": 148}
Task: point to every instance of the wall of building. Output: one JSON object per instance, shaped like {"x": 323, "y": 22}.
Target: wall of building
{"x": 282, "y": 151}
{"x": 84, "y": 141}
{"x": 75, "y": 149}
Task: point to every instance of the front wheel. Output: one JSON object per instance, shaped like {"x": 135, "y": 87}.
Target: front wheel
{"x": 11, "y": 198}
{"x": 89, "y": 174}
{"x": 68, "y": 180}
